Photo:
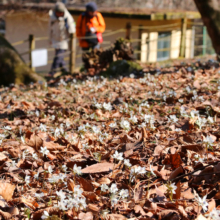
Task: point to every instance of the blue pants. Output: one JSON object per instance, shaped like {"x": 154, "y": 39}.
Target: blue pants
{"x": 58, "y": 62}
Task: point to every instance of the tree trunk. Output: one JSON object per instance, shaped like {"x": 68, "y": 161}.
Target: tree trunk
{"x": 12, "y": 67}
{"x": 210, "y": 12}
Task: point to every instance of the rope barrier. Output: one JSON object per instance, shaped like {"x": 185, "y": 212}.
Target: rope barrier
{"x": 19, "y": 42}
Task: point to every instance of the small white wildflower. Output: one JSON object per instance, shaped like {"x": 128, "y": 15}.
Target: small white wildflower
{"x": 34, "y": 155}
{"x": 114, "y": 199}
{"x": 152, "y": 171}
{"x": 39, "y": 195}
{"x": 104, "y": 188}
{"x": 173, "y": 119}
{"x": 44, "y": 151}
{"x": 117, "y": 156}
{"x": 50, "y": 170}
{"x": 127, "y": 163}
{"x": 27, "y": 180}
{"x": 77, "y": 170}
{"x": 201, "y": 201}
{"x": 113, "y": 189}
{"x": 214, "y": 214}
{"x": 7, "y": 128}
{"x": 45, "y": 215}
{"x": 208, "y": 140}
{"x": 125, "y": 125}
{"x": 124, "y": 193}
{"x": 107, "y": 106}
{"x": 133, "y": 119}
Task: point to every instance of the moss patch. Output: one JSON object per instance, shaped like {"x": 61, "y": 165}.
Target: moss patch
{"x": 121, "y": 68}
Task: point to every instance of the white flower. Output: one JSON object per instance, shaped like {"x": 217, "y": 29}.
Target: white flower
{"x": 36, "y": 176}
{"x": 95, "y": 129}
{"x": 171, "y": 188}
{"x": 53, "y": 179}
{"x": 57, "y": 132}
{"x": 64, "y": 168}
{"x": 78, "y": 191}
{"x": 7, "y": 128}
{"x": 62, "y": 177}
{"x": 201, "y": 122}
{"x": 50, "y": 170}
{"x": 44, "y": 151}
{"x": 37, "y": 113}
{"x": 188, "y": 89}
{"x": 82, "y": 129}
{"x": 34, "y": 155}
{"x": 27, "y": 179}
{"x": 53, "y": 117}
{"x": 145, "y": 104}
{"x": 152, "y": 171}
{"x": 173, "y": 119}
{"x": 113, "y": 125}
{"x": 181, "y": 101}
{"x": 13, "y": 164}
{"x": 45, "y": 215}
{"x": 114, "y": 199}
{"x": 201, "y": 201}
{"x": 104, "y": 188}
{"x": 68, "y": 124}
{"x": 124, "y": 193}
{"x": 194, "y": 113}
{"x": 113, "y": 188}
{"x": 61, "y": 205}
{"x": 183, "y": 112}
{"x": 25, "y": 153}
{"x": 133, "y": 119}
{"x": 39, "y": 195}
{"x": 127, "y": 163}
{"x": 117, "y": 156}
{"x": 77, "y": 170}
{"x": 82, "y": 202}
{"x": 135, "y": 171}
{"x": 211, "y": 120}
{"x": 107, "y": 106}
{"x": 43, "y": 127}
{"x": 61, "y": 195}
{"x": 208, "y": 140}
{"x": 214, "y": 214}
{"x": 98, "y": 106}
{"x": 22, "y": 140}
{"x": 125, "y": 125}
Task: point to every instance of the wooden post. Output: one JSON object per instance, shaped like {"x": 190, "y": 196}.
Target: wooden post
{"x": 183, "y": 37}
{"x": 140, "y": 30}
{"x": 204, "y": 41}
{"x": 72, "y": 52}
{"x": 31, "y": 47}
{"x": 128, "y": 31}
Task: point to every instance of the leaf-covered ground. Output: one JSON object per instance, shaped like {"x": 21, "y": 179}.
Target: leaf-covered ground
{"x": 129, "y": 148}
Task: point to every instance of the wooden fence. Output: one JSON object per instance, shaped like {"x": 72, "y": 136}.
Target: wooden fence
{"x": 153, "y": 26}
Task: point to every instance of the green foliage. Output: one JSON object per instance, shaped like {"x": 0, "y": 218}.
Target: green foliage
{"x": 121, "y": 67}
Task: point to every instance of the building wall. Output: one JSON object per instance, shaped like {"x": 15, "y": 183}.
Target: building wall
{"x": 149, "y": 47}
{"x": 175, "y": 44}
{"x": 149, "y": 50}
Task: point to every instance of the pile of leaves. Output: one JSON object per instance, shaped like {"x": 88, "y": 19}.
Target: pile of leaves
{"x": 130, "y": 148}
{"x": 96, "y": 61}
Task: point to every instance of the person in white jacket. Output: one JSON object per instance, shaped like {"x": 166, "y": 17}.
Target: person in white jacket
{"x": 61, "y": 24}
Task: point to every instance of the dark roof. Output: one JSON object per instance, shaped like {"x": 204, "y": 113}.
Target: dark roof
{"x": 112, "y": 12}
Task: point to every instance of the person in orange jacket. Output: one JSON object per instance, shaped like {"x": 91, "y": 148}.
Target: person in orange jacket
{"x": 89, "y": 27}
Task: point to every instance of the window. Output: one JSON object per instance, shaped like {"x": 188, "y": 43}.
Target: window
{"x": 163, "y": 46}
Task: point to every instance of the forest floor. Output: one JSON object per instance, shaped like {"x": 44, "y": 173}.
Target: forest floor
{"x": 138, "y": 147}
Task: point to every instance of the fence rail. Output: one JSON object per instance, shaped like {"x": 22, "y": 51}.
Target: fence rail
{"x": 179, "y": 25}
